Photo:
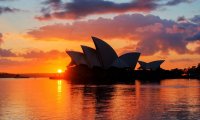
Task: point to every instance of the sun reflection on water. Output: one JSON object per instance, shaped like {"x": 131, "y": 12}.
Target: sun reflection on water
{"x": 59, "y": 91}
{"x": 59, "y": 86}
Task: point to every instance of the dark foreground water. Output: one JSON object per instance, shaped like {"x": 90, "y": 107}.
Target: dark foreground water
{"x": 44, "y": 99}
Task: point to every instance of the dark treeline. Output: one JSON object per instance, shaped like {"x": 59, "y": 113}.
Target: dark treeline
{"x": 191, "y": 72}
{"x": 10, "y": 75}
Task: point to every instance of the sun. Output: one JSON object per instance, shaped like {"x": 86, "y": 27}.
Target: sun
{"x": 59, "y": 71}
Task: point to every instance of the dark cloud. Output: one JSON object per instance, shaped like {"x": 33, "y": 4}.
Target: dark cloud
{"x": 77, "y": 9}
{"x": 195, "y": 37}
{"x": 182, "y": 19}
{"x": 81, "y": 8}
{"x": 7, "y": 10}
{"x": 52, "y": 2}
{"x": 176, "y": 2}
{"x": 196, "y": 19}
{"x": 6, "y": 53}
{"x": 151, "y": 33}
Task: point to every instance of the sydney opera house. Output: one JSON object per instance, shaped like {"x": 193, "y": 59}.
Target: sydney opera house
{"x": 103, "y": 62}
{"x": 104, "y": 56}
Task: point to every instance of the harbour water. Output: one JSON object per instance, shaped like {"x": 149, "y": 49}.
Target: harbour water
{"x": 45, "y": 99}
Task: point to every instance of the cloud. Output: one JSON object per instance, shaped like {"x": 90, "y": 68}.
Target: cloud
{"x": 176, "y": 2}
{"x": 196, "y": 19}
{"x": 52, "y": 2}
{"x": 77, "y": 9}
{"x": 81, "y": 8}
{"x": 24, "y": 65}
{"x": 7, "y": 62}
{"x": 53, "y": 54}
{"x": 182, "y": 19}
{"x": 151, "y": 33}
{"x": 126, "y": 49}
{"x": 34, "y": 61}
{"x": 195, "y": 37}
{"x": 7, "y": 10}
{"x": 6, "y": 53}
{"x": 197, "y": 50}
{"x": 183, "y": 60}
{"x": 1, "y": 38}
{"x": 122, "y": 26}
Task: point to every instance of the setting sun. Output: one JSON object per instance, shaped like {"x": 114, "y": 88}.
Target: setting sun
{"x": 59, "y": 71}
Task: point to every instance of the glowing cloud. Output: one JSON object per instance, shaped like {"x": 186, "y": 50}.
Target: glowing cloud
{"x": 152, "y": 33}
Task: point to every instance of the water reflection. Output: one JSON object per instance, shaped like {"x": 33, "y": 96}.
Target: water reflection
{"x": 59, "y": 83}
{"x": 184, "y": 100}
{"x": 58, "y": 99}
{"x": 59, "y": 90}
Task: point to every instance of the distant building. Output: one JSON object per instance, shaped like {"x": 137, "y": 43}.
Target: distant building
{"x": 154, "y": 65}
{"x": 103, "y": 56}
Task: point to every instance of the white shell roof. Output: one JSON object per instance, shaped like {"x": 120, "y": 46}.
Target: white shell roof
{"x": 77, "y": 57}
{"x": 106, "y": 53}
{"x": 91, "y": 56}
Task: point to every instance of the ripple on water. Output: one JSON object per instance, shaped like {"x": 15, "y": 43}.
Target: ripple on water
{"x": 42, "y": 99}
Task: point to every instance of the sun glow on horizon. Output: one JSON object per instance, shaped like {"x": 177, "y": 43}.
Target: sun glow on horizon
{"x": 59, "y": 71}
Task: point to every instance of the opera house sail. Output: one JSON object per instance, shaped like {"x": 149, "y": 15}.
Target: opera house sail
{"x": 103, "y": 56}
{"x": 77, "y": 58}
{"x": 107, "y": 54}
{"x": 130, "y": 58}
{"x": 91, "y": 56}
{"x": 154, "y": 65}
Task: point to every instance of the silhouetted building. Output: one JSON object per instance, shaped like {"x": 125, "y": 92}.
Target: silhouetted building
{"x": 91, "y": 56}
{"x": 78, "y": 58}
{"x": 154, "y": 65}
{"x": 104, "y": 56}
